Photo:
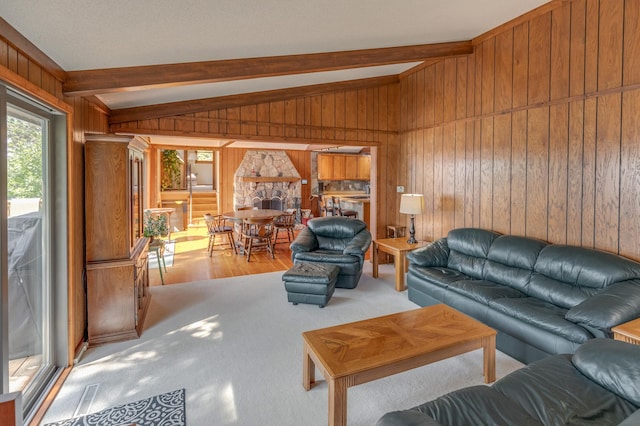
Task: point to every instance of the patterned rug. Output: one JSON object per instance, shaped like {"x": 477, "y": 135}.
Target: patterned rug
{"x": 166, "y": 409}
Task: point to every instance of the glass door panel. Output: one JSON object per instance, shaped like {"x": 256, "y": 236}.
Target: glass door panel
{"x": 29, "y": 353}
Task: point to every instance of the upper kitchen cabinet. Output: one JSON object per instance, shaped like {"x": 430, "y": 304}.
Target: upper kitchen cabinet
{"x": 343, "y": 167}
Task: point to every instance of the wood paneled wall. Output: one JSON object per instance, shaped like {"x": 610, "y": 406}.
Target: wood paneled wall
{"x": 18, "y": 66}
{"x": 349, "y": 117}
{"x": 536, "y": 133}
{"x": 365, "y": 116}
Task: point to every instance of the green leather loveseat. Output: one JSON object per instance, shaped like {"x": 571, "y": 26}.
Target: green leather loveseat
{"x": 598, "y": 385}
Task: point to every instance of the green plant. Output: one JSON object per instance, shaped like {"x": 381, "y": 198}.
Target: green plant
{"x": 171, "y": 169}
{"x": 155, "y": 226}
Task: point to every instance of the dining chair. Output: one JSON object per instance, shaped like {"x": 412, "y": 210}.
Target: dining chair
{"x": 286, "y": 222}
{"x": 247, "y": 208}
{"x": 339, "y": 211}
{"x": 257, "y": 232}
{"x": 216, "y": 225}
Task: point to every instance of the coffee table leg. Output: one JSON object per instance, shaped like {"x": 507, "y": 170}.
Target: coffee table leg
{"x": 308, "y": 369}
{"x": 337, "y": 402}
{"x": 489, "y": 348}
{"x": 375, "y": 260}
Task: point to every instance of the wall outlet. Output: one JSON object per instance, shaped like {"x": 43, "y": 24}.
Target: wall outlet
{"x": 399, "y": 188}
{"x": 304, "y": 181}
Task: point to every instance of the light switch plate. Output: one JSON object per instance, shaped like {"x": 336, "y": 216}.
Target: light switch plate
{"x": 399, "y": 188}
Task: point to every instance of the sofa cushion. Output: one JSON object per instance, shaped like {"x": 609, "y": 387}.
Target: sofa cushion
{"x": 543, "y": 315}
{"x": 336, "y": 226}
{"x": 326, "y": 256}
{"x": 556, "y": 393}
{"x": 557, "y": 292}
{"x": 468, "y": 250}
{"x": 476, "y": 405}
{"x": 511, "y": 260}
{"x": 483, "y": 291}
{"x": 612, "y": 364}
{"x": 441, "y": 277}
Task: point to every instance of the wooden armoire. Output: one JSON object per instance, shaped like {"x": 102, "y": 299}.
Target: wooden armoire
{"x": 116, "y": 250}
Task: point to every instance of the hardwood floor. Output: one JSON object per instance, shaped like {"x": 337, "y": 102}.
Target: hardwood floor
{"x": 192, "y": 262}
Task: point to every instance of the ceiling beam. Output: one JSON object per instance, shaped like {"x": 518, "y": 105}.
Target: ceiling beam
{"x": 110, "y": 80}
{"x": 232, "y": 101}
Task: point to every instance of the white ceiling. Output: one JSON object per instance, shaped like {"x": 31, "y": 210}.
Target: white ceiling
{"x": 93, "y": 34}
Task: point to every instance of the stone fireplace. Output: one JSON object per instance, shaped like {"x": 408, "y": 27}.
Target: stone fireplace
{"x": 267, "y": 180}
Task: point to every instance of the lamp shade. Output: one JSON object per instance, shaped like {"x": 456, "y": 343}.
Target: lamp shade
{"x": 412, "y": 204}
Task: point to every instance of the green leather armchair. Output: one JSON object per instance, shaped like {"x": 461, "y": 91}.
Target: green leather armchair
{"x": 335, "y": 240}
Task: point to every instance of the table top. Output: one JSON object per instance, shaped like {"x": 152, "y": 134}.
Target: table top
{"x": 400, "y": 243}
{"x": 245, "y": 214}
{"x": 360, "y": 346}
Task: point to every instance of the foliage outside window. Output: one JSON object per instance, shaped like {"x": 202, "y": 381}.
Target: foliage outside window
{"x": 24, "y": 159}
{"x": 171, "y": 169}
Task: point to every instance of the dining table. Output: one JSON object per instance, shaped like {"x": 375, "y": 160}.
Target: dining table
{"x": 236, "y": 217}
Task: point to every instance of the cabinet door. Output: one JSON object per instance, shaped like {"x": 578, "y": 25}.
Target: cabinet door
{"x": 364, "y": 167}
{"x": 325, "y": 167}
{"x": 339, "y": 167}
{"x": 351, "y": 167}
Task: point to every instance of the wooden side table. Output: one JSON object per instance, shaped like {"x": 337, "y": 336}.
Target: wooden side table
{"x": 628, "y": 332}
{"x": 398, "y": 248}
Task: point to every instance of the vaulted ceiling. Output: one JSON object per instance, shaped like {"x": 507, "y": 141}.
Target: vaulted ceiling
{"x": 144, "y": 56}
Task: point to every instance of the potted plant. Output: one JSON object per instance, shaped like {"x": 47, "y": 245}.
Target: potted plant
{"x": 155, "y": 226}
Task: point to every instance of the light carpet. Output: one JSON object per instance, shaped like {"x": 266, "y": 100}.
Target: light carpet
{"x": 235, "y": 346}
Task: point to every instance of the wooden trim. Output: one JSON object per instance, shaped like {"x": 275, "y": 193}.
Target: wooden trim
{"x": 231, "y": 101}
{"x": 249, "y": 138}
{"x": 25, "y": 85}
{"x": 21, "y": 43}
{"x": 48, "y": 400}
{"x": 268, "y": 179}
{"x": 540, "y": 10}
{"x": 92, "y": 82}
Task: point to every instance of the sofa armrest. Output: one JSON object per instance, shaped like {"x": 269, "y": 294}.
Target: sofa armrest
{"x": 305, "y": 241}
{"x": 407, "y": 418}
{"x": 434, "y": 254}
{"x": 358, "y": 245}
{"x": 614, "y": 305}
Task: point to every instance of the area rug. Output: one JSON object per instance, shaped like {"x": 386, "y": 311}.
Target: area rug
{"x": 166, "y": 409}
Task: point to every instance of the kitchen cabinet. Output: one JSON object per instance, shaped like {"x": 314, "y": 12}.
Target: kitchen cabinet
{"x": 344, "y": 167}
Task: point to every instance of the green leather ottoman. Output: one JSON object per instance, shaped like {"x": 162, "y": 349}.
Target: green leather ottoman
{"x": 311, "y": 283}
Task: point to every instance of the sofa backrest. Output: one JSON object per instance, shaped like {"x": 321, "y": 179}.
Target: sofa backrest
{"x": 567, "y": 275}
{"x": 468, "y": 250}
{"x": 511, "y": 260}
{"x": 335, "y": 232}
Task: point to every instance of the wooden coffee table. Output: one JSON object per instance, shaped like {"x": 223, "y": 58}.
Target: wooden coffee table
{"x": 398, "y": 248}
{"x": 359, "y": 352}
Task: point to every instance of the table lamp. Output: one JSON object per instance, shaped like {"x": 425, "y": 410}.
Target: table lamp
{"x": 412, "y": 204}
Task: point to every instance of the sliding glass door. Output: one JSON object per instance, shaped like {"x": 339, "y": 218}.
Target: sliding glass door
{"x": 27, "y": 247}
